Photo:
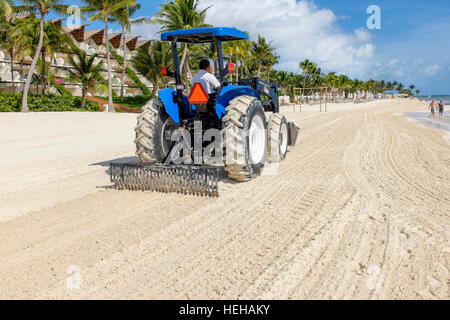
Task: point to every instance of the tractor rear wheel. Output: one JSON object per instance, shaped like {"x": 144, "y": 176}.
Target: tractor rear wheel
{"x": 154, "y": 132}
{"x": 278, "y": 138}
{"x": 245, "y": 137}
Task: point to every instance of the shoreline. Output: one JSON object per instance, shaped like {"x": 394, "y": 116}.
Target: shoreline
{"x": 425, "y": 120}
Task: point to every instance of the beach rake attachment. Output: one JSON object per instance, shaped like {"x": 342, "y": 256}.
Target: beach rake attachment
{"x": 182, "y": 179}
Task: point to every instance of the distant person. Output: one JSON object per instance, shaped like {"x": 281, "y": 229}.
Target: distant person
{"x": 208, "y": 81}
{"x": 441, "y": 109}
{"x": 433, "y": 108}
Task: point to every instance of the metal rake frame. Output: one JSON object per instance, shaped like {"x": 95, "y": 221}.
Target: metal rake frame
{"x": 182, "y": 179}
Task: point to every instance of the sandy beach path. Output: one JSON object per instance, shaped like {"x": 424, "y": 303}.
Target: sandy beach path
{"x": 360, "y": 210}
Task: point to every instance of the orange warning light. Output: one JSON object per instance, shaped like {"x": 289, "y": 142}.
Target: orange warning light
{"x": 231, "y": 68}
{"x": 198, "y": 95}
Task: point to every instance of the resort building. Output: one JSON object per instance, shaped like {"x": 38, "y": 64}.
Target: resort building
{"x": 90, "y": 41}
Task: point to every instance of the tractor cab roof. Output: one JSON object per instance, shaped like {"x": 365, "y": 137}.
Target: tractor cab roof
{"x": 204, "y": 35}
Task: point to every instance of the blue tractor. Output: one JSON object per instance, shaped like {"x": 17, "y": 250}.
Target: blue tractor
{"x": 246, "y": 114}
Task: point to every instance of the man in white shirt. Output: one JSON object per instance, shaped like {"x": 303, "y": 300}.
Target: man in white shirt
{"x": 206, "y": 78}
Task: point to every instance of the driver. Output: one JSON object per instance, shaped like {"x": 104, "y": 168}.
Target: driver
{"x": 206, "y": 78}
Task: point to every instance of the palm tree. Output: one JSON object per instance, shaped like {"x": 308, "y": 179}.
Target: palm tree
{"x": 282, "y": 78}
{"x": 86, "y": 72}
{"x": 181, "y": 14}
{"x": 229, "y": 50}
{"x": 309, "y": 68}
{"x": 411, "y": 89}
{"x": 7, "y": 41}
{"x": 43, "y": 7}
{"x": 331, "y": 80}
{"x": 382, "y": 86}
{"x": 103, "y": 10}
{"x": 357, "y": 86}
{"x": 148, "y": 62}
{"x": 5, "y": 7}
{"x": 56, "y": 41}
{"x": 263, "y": 53}
{"x": 243, "y": 51}
{"x": 389, "y": 86}
{"x": 343, "y": 83}
{"x": 417, "y": 92}
{"x": 26, "y": 38}
{"x": 207, "y": 51}
{"x": 123, "y": 17}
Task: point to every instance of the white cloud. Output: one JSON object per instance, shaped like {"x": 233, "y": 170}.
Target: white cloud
{"x": 147, "y": 31}
{"x": 432, "y": 70}
{"x": 298, "y": 30}
{"x": 393, "y": 68}
{"x": 363, "y": 35}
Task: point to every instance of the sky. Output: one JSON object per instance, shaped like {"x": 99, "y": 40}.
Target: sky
{"x": 412, "y": 44}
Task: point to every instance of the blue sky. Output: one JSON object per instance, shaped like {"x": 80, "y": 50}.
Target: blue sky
{"x": 412, "y": 46}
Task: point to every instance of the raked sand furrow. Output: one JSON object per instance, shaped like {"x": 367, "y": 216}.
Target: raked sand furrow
{"x": 359, "y": 209}
{"x": 232, "y": 224}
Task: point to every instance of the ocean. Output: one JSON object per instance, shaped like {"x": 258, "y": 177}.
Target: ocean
{"x": 445, "y": 99}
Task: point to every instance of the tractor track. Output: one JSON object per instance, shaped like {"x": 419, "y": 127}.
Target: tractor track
{"x": 360, "y": 209}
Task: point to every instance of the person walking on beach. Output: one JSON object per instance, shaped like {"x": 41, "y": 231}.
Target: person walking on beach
{"x": 433, "y": 108}
{"x": 441, "y": 109}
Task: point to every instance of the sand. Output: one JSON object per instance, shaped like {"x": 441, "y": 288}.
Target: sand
{"x": 359, "y": 210}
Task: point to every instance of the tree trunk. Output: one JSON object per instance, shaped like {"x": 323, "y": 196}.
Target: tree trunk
{"x": 33, "y": 66}
{"x": 184, "y": 58}
{"x": 49, "y": 73}
{"x": 21, "y": 74}
{"x": 188, "y": 73}
{"x": 122, "y": 87}
{"x": 155, "y": 88}
{"x": 237, "y": 68}
{"x": 12, "y": 71}
{"x": 108, "y": 63}
{"x": 83, "y": 98}
{"x": 44, "y": 83}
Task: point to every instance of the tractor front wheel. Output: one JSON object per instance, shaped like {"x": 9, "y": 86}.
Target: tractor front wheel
{"x": 278, "y": 138}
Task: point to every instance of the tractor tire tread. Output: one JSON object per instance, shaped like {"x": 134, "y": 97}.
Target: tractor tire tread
{"x": 234, "y": 122}
{"x": 144, "y": 135}
{"x": 274, "y": 128}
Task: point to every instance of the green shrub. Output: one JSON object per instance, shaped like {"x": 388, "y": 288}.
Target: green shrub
{"x": 47, "y": 103}
{"x": 135, "y": 102}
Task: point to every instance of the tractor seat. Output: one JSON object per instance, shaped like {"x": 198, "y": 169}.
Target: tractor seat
{"x": 212, "y": 101}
